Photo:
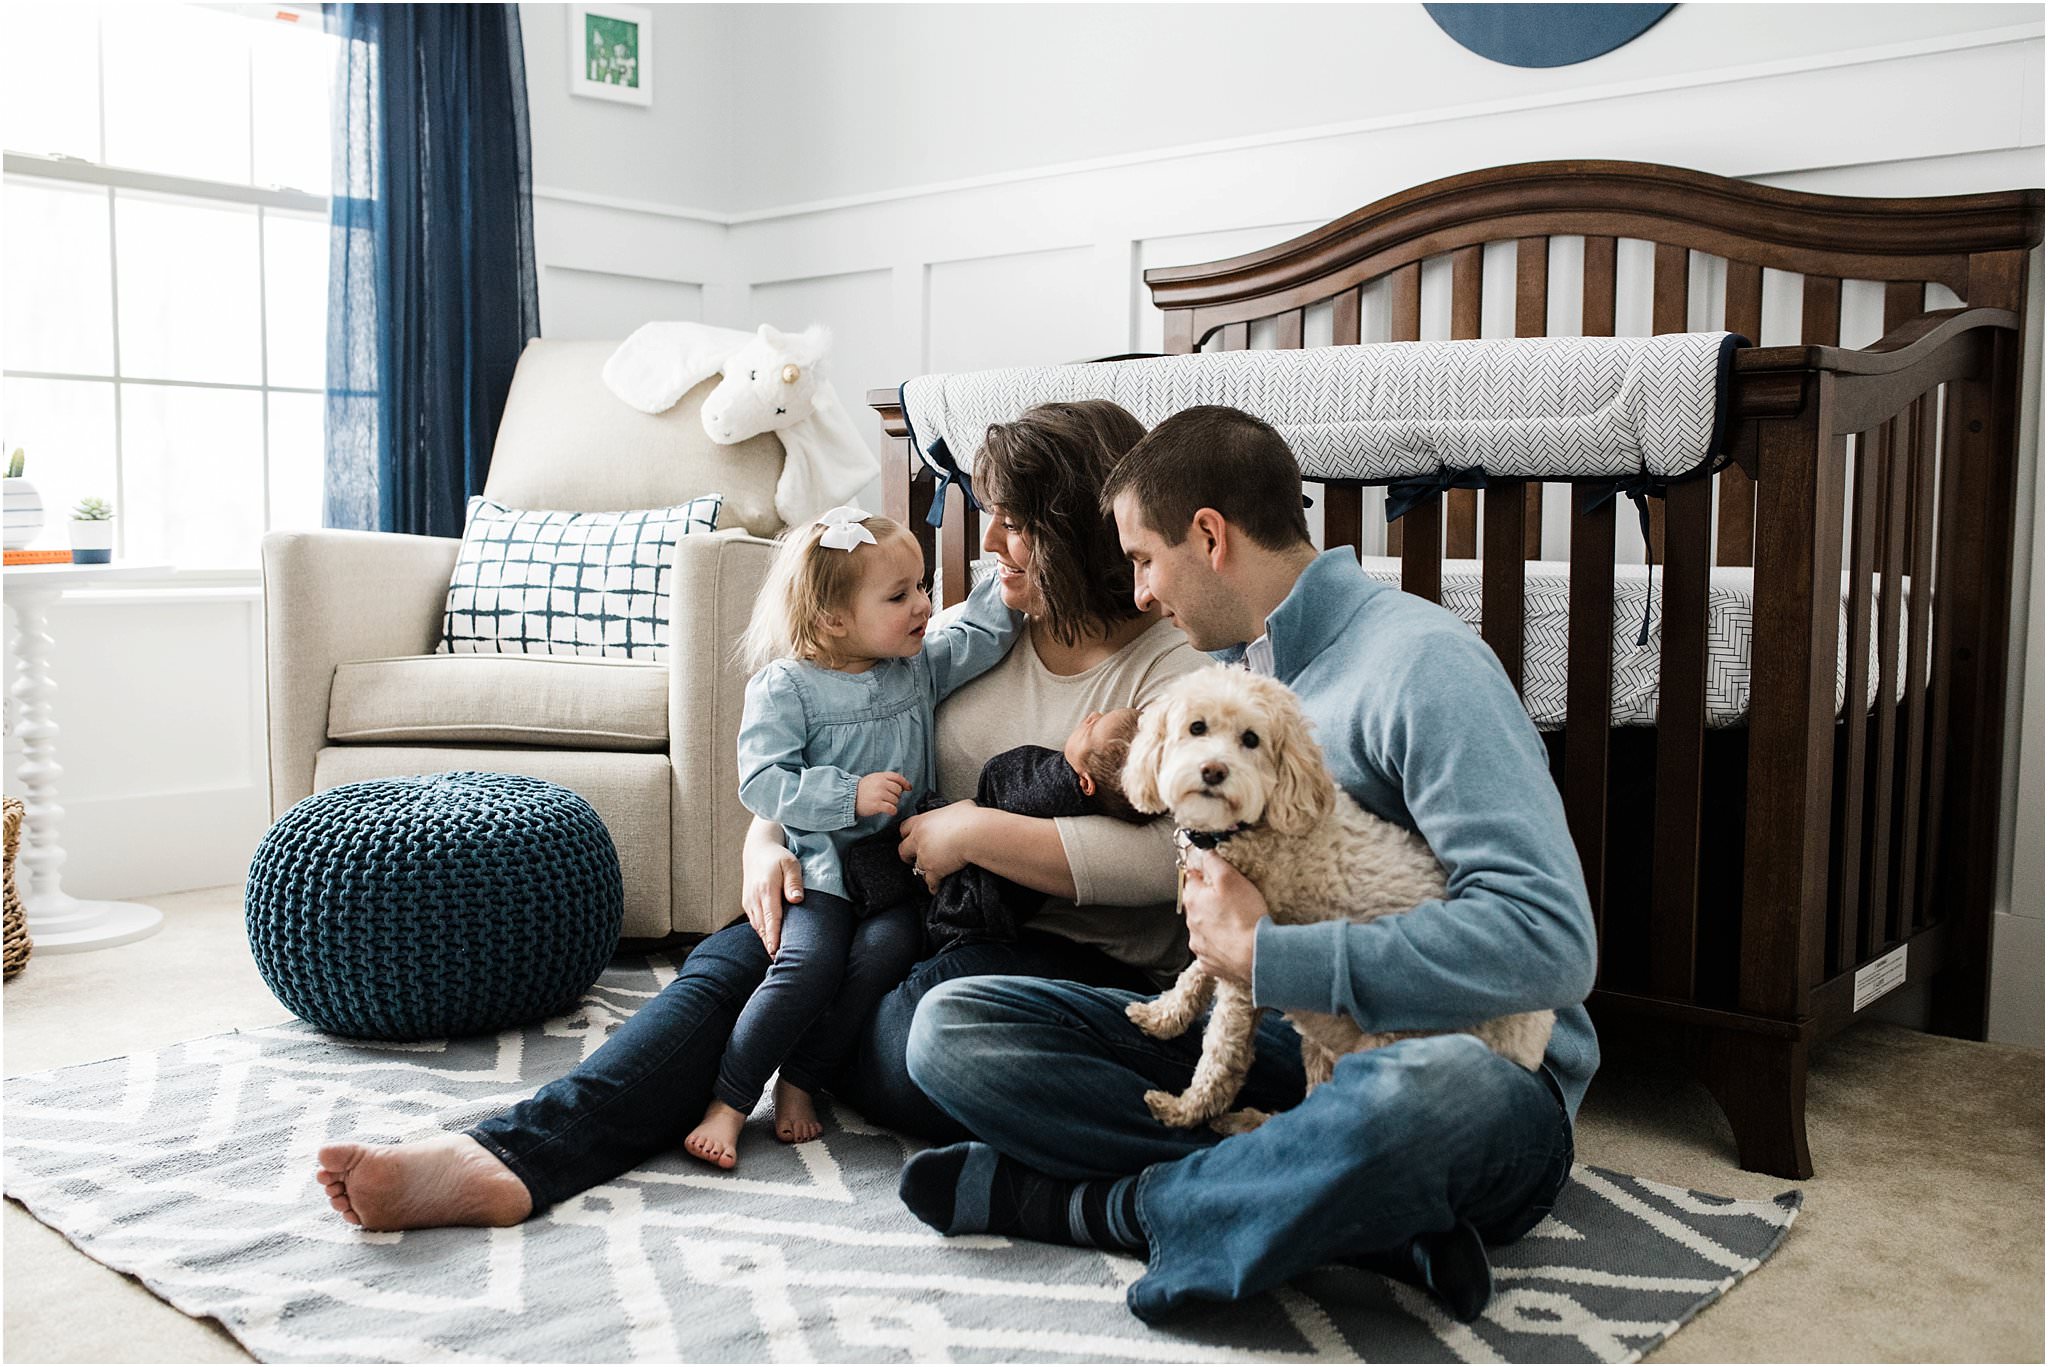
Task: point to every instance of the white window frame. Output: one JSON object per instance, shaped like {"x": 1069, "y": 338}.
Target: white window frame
{"x": 73, "y": 170}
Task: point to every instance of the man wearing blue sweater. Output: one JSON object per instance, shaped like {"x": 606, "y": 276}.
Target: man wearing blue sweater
{"x": 1414, "y": 1156}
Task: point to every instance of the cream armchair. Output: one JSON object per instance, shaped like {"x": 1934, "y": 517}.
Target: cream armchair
{"x": 351, "y": 620}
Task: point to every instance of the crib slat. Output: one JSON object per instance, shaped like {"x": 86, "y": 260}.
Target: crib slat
{"x": 1854, "y": 939}
{"x": 1589, "y": 698}
{"x": 1532, "y": 319}
{"x": 1667, "y": 314}
{"x": 1344, "y": 504}
{"x": 1947, "y": 476}
{"x": 1236, "y": 336}
{"x": 1903, "y": 300}
{"x": 1501, "y": 581}
{"x": 1920, "y": 457}
{"x": 1406, "y": 326}
{"x": 1461, "y": 513}
{"x": 1885, "y": 912}
{"x": 1820, "y": 316}
{"x": 1598, "y": 313}
{"x": 1289, "y": 338}
{"x": 1743, "y": 314}
{"x": 1681, "y": 741}
{"x": 1422, "y": 555}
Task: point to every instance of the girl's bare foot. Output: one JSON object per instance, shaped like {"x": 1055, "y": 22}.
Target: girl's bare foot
{"x": 796, "y": 1119}
{"x": 447, "y": 1180}
{"x": 716, "y": 1139}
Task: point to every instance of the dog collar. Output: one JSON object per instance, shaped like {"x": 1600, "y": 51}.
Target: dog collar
{"x": 1207, "y": 840}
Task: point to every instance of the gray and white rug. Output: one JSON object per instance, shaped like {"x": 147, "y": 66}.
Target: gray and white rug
{"x": 191, "y": 1168}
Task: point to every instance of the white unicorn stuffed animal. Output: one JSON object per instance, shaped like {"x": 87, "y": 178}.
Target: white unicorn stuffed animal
{"x": 773, "y": 383}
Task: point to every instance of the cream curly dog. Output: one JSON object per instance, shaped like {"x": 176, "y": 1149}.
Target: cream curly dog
{"x": 1229, "y": 754}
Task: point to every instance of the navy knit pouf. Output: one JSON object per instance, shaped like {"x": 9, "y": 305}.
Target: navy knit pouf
{"x": 428, "y": 907}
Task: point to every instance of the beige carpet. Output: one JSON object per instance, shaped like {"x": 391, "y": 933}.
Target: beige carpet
{"x": 1921, "y": 1239}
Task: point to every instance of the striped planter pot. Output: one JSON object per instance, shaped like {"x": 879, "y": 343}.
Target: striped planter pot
{"x": 24, "y": 513}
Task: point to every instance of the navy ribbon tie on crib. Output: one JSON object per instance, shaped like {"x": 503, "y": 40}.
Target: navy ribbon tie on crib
{"x": 1404, "y": 494}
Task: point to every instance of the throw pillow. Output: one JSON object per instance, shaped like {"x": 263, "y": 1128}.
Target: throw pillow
{"x": 536, "y": 582}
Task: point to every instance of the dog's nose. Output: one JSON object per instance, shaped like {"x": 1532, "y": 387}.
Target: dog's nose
{"x": 1213, "y": 774}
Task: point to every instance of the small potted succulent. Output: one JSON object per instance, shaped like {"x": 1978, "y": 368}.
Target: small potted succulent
{"x": 24, "y": 506}
{"x": 92, "y": 532}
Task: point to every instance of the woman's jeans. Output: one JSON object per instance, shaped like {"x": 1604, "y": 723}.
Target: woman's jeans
{"x": 832, "y": 967}
{"x": 1406, "y": 1140}
{"x": 646, "y": 1086}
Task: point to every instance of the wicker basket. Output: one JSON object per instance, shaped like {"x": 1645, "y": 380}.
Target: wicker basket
{"x": 18, "y": 945}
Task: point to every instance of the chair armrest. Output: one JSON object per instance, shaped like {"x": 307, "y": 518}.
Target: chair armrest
{"x": 330, "y": 597}
{"x": 711, "y": 597}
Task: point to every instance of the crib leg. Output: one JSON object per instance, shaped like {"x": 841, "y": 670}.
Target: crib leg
{"x": 1760, "y": 1083}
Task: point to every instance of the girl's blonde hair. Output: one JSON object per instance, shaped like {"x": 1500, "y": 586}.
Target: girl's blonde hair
{"x": 807, "y": 582}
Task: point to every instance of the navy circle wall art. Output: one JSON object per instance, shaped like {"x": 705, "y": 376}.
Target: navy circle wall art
{"x": 1544, "y": 35}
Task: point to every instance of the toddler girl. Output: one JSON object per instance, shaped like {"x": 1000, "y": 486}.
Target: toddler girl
{"x": 835, "y": 740}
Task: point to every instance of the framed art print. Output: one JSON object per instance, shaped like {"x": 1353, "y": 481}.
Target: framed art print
{"x": 611, "y": 53}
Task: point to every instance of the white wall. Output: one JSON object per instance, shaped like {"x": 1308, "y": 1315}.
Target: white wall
{"x": 951, "y": 186}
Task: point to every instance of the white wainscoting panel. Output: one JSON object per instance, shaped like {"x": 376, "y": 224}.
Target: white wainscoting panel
{"x": 578, "y": 304}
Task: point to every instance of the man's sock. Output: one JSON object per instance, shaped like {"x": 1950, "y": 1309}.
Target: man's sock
{"x": 972, "y": 1189}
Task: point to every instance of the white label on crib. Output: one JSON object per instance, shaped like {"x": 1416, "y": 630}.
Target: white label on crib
{"x": 1879, "y": 976}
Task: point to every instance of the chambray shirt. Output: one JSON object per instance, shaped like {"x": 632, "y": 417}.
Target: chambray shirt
{"x": 808, "y": 734}
{"x": 1419, "y": 723}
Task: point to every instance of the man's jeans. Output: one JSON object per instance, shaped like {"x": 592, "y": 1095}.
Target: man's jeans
{"x": 1405, "y": 1140}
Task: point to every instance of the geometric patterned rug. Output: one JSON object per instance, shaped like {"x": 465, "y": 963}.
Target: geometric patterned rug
{"x": 190, "y": 1167}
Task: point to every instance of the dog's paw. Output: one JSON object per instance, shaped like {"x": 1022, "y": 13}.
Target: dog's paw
{"x": 1175, "y": 1111}
{"x": 1153, "y": 1018}
{"x": 1240, "y": 1122}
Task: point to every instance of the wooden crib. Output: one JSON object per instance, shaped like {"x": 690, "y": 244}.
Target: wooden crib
{"x": 1746, "y": 881}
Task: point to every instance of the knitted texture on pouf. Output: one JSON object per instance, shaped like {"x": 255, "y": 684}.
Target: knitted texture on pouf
{"x": 434, "y": 906}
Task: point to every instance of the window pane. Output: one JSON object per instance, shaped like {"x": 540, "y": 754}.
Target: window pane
{"x": 177, "y": 81}
{"x": 59, "y": 278}
{"x": 66, "y": 429}
{"x": 298, "y": 443}
{"x": 192, "y": 475}
{"x": 49, "y": 79}
{"x": 295, "y": 294}
{"x": 189, "y": 299}
{"x": 293, "y": 68}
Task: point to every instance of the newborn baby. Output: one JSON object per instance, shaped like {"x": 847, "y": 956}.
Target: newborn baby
{"x": 973, "y": 906}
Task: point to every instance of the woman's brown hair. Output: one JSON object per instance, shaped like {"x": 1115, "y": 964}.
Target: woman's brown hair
{"x": 1047, "y": 470}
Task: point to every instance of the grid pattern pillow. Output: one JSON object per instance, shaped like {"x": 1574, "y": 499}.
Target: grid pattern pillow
{"x": 534, "y": 582}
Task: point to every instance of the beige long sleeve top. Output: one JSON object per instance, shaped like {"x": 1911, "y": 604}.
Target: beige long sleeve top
{"x": 1123, "y": 874}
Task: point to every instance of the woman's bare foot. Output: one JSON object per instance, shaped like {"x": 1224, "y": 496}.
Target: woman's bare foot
{"x": 796, "y": 1119}
{"x": 716, "y": 1139}
{"x": 447, "y": 1180}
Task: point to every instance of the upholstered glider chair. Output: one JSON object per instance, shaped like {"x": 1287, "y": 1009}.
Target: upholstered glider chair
{"x": 352, "y": 619}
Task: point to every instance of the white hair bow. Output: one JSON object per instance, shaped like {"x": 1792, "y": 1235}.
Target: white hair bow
{"x": 842, "y": 527}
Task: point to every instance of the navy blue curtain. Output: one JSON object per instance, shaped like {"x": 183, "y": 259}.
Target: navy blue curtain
{"x": 431, "y": 289}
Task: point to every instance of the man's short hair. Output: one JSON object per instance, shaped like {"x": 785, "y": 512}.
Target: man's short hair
{"x": 1214, "y": 457}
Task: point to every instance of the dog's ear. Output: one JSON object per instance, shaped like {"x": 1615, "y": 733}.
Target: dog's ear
{"x": 1301, "y": 794}
{"x": 1141, "y": 766}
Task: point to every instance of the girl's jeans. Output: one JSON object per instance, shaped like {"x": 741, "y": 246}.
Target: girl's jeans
{"x": 646, "y": 1086}
{"x": 832, "y": 967}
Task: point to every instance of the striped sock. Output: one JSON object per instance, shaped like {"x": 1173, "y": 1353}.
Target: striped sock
{"x": 972, "y": 1189}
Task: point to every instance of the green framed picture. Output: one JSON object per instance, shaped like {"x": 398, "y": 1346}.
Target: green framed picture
{"x": 611, "y": 53}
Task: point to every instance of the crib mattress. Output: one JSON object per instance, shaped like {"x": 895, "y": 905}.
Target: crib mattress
{"x": 1730, "y": 615}
{"x": 1546, "y": 636}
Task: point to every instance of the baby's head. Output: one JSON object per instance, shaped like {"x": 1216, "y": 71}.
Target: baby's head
{"x": 1096, "y": 751}
{"x": 848, "y": 586}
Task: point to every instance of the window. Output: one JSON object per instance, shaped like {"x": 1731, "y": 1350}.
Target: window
{"x": 165, "y": 270}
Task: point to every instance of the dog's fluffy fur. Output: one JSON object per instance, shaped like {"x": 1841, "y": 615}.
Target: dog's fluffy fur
{"x": 1224, "y": 746}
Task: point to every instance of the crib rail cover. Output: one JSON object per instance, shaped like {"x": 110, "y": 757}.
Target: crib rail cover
{"x": 1641, "y": 411}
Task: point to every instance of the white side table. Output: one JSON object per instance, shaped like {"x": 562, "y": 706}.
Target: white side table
{"x": 58, "y": 923}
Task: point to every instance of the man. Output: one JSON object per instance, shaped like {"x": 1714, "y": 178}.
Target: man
{"x": 1413, "y": 1156}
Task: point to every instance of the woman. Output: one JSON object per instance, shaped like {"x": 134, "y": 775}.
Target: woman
{"x": 1110, "y": 920}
